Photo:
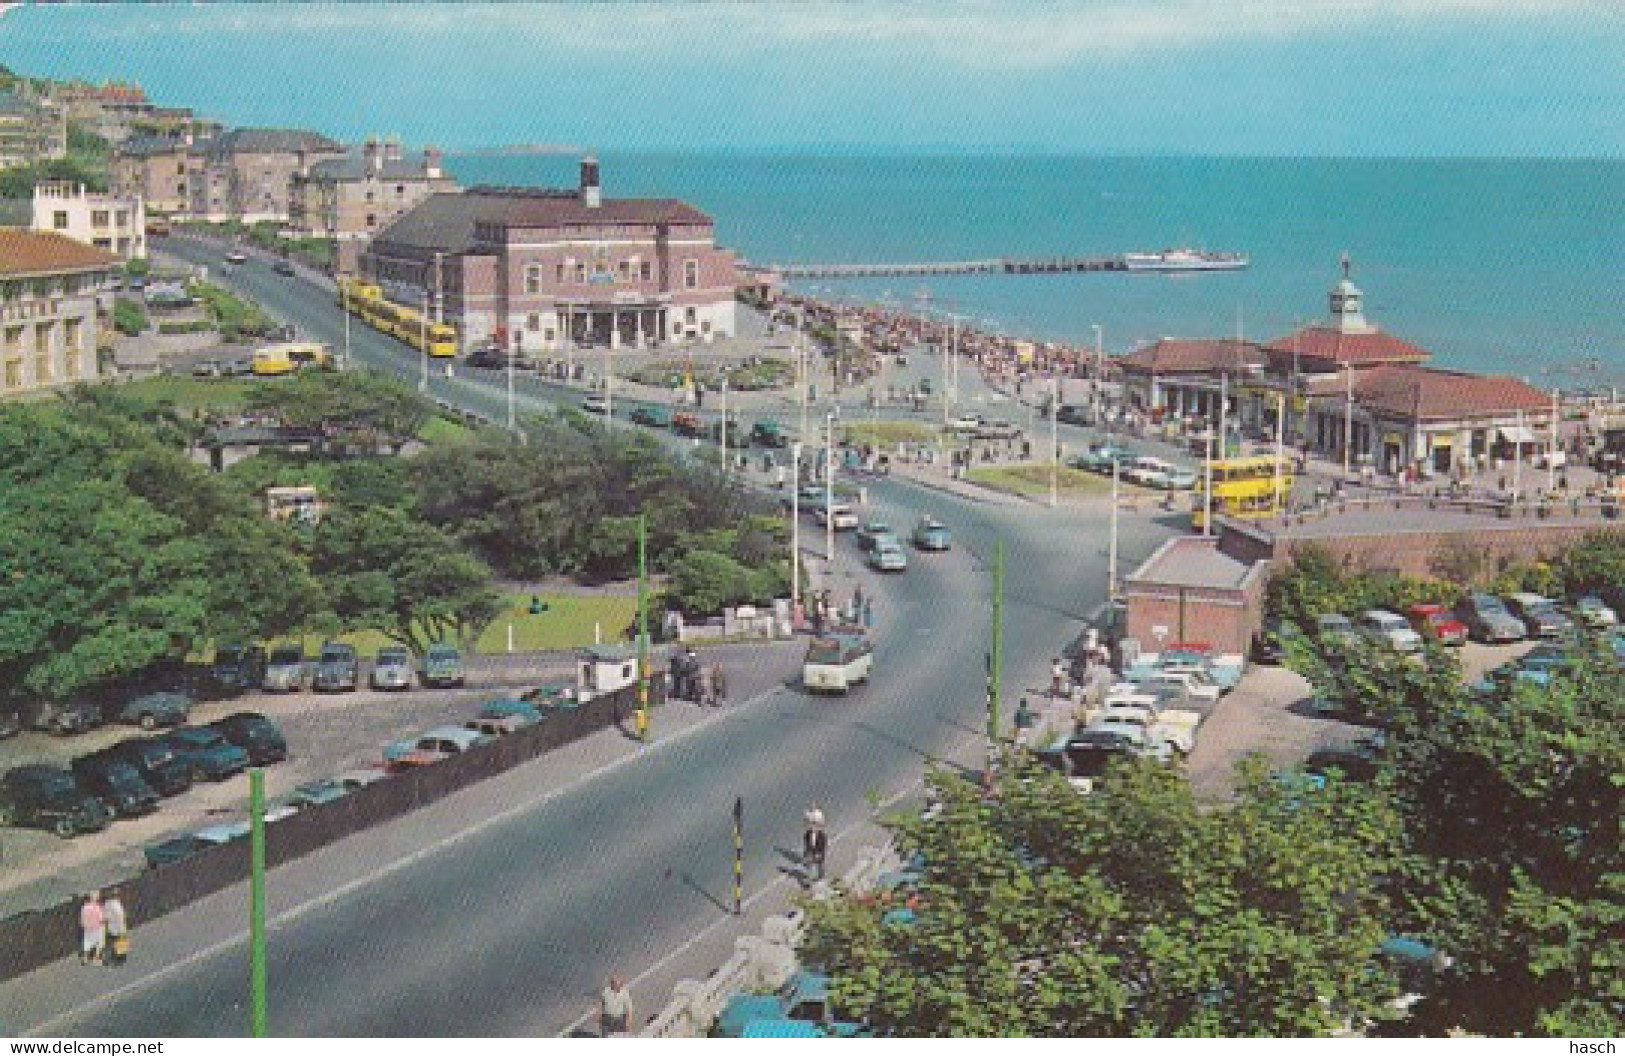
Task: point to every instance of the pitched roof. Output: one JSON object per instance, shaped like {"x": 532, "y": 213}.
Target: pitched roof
{"x": 538, "y": 207}
{"x": 151, "y": 146}
{"x": 353, "y": 166}
{"x": 1422, "y": 392}
{"x": 1327, "y": 345}
{"x": 1202, "y": 356}
{"x": 271, "y": 141}
{"x": 441, "y": 223}
{"x": 12, "y": 103}
{"x": 48, "y": 253}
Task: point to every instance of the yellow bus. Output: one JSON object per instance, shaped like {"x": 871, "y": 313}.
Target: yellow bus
{"x": 1244, "y": 488}
{"x": 275, "y": 361}
{"x": 367, "y": 302}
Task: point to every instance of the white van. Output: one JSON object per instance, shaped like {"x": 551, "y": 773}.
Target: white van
{"x": 836, "y": 662}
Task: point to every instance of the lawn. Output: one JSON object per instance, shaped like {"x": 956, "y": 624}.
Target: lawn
{"x": 567, "y": 623}
{"x": 1033, "y": 479}
{"x": 225, "y": 395}
{"x": 888, "y": 434}
{"x": 440, "y": 429}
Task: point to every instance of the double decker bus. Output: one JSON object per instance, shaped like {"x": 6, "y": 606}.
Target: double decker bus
{"x": 366, "y": 301}
{"x": 1245, "y": 488}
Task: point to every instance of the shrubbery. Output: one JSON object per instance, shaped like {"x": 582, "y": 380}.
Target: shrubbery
{"x": 129, "y": 318}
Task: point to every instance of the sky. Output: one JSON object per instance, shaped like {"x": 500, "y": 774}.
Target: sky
{"x": 1405, "y": 78}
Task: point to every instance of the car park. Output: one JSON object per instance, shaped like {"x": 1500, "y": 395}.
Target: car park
{"x": 254, "y": 734}
{"x": 1593, "y": 612}
{"x": 206, "y": 753}
{"x": 238, "y": 667}
{"x": 152, "y": 710}
{"x": 442, "y": 742}
{"x": 888, "y": 556}
{"x": 652, "y": 415}
{"x": 931, "y": 534}
{"x": 116, "y": 783}
{"x": 155, "y": 760}
{"x": 48, "y": 797}
{"x": 442, "y": 666}
{"x": 1389, "y": 629}
{"x": 392, "y": 668}
{"x": 337, "y": 669}
{"x": 1540, "y": 615}
{"x": 871, "y": 532}
{"x": 285, "y": 670}
{"x": 1437, "y": 623}
{"x": 1488, "y": 620}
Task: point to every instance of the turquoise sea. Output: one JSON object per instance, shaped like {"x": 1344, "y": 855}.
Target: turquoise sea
{"x": 1497, "y": 266}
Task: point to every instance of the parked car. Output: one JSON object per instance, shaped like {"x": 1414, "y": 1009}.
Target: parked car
{"x": 1438, "y": 623}
{"x": 804, "y": 998}
{"x": 1390, "y": 629}
{"x": 511, "y": 708}
{"x": 871, "y": 532}
{"x": 1101, "y": 457}
{"x": 1074, "y": 414}
{"x": 155, "y": 760}
{"x": 238, "y": 667}
{"x": 652, "y": 415}
{"x": 551, "y": 696}
{"x": 116, "y": 783}
{"x": 337, "y": 669}
{"x": 769, "y": 433}
{"x": 285, "y": 670}
{"x": 442, "y": 742}
{"x": 442, "y": 666}
{"x": 595, "y": 403}
{"x": 996, "y": 429}
{"x": 206, "y": 753}
{"x": 63, "y": 717}
{"x": 152, "y": 710}
{"x": 1540, "y": 615}
{"x": 888, "y": 556}
{"x": 48, "y": 797}
{"x": 328, "y": 789}
{"x": 1335, "y": 629}
{"x": 1488, "y": 620}
{"x": 254, "y": 734}
{"x": 497, "y": 726}
{"x": 392, "y": 668}
{"x": 1591, "y": 611}
{"x": 931, "y": 534}
{"x": 179, "y": 848}
{"x": 11, "y": 724}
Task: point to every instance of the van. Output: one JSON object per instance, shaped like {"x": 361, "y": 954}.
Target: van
{"x": 836, "y": 662}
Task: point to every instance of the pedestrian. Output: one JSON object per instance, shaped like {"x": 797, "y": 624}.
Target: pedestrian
{"x": 615, "y": 1011}
{"x": 1025, "y": 720}
{"x": 868, "y": 612}
{"x": 814, "y": 847}
{"x": 92, "y": 928}
{"x": 118, "y": 929}
{"x": 1057, "y": 677}
{"x": 691, "y": 674}
{"x": 719, "y": 686}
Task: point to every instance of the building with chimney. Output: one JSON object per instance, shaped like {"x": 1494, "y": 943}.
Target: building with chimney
{"x": 48, "y": 301}
{"x": 246, "y": 174}
{"x": 543, "y": 271}
{"x": 156, "y": 169}
{"x": 352, "y": 198}
{"x": 117, "y": 225}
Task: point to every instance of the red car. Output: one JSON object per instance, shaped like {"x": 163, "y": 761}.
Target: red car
{"x": 1437, "y": 623}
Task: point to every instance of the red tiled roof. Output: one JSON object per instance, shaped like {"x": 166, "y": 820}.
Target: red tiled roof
{"x": 1421, "y": 392}
{"x": 1204, "y": 356}
{"x": 47, "y": 253}
{"x": 1323, "y": 345}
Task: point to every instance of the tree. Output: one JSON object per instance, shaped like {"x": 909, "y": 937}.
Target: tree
{"x": 383, "y": 569}
{"x": 129, "y": 318}
{"x": 1131, "y": 911}
{"x": 360, "y": 410}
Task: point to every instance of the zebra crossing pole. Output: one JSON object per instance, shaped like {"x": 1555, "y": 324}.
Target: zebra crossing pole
{"x": 739, "y": 856}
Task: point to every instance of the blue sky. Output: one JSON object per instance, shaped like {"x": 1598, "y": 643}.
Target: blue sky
{"x": 1502, "y": 78}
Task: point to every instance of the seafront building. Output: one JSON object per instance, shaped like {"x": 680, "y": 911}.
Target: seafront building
{"x": 350, "y": 199}
{"x": 49, "y": 286}
{"x": 544, "y": 271}
{"x": 118, "y": 225}
{"x": 246, "y": 174}
{"x": 156, "y": 169}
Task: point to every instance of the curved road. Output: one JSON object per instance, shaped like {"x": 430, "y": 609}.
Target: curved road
{"x": 509, "y": 926}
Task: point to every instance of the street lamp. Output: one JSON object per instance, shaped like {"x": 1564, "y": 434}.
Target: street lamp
{"x": 423, "y": 343}
{"x": 829, "y": 483}
{"x": 1111, "y": 539}
{"x": 1055, "y": 442}
{"x": 795, "y": 533}
{"x": 1100, "y": 356}
{"x": 722, "y": 427}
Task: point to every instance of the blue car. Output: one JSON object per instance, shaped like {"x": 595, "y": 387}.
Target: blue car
{"x": 932, "y": 534}
{"x": 206, "y": 753}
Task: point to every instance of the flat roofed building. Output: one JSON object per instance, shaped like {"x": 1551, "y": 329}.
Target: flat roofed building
{"x": 48, "y": 302}
{"x": 1190, "y": 590}
{"x": 546, "y": 270}
{"x": 118, "y": 225}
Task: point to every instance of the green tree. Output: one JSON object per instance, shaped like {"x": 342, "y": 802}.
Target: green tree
{"x": 359, "y": 411}
{"x": 1131, "y": 911}
{"x": 129, "y": 318}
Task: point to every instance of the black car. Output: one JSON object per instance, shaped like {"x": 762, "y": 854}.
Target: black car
{"x": 68, "y": 716}
{"x": 1075, "y": 414}
{"x": 237, "y": 667}
{"x": 48, "y": 797}
{"x": 154, "y": 760}
{"x": 151, "y": 710}
{"x": 254, "y": 734}
{"x": 116, "y": 783}
{"x": 337, "y": 668}
{"x": 206, "y": 753}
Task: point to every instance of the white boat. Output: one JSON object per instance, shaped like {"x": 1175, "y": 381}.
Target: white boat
{"x": 1184, "y": 260}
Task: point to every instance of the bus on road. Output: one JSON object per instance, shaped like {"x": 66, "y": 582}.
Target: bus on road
{"x": 836, "y": 662}
{"x": 1244, "y": 488}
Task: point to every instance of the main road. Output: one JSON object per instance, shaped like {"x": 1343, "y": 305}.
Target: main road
{"x": 509, "y": 927}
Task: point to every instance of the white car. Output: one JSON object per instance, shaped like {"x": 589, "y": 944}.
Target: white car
{"x": 839, "y": 513}
{"x": 1593, "y": 612}
{"x": 1390, "y": 629}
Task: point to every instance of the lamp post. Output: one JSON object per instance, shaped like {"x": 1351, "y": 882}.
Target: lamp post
{"x": 440, "y": 300}
{"x": 1055, "y": 443}
{"x": 344, "y": 295}
{"x": 510, "y": 356}
{"x": 609, "y": 399}
{"x": 722, "y": 427}
{"x": 795, "y": 533}
{"x": 829, "y": 483}
{"x": 1100, "y": 358}
{"x": 1551, "y": 452}
{"x": 423, "y": 344}
{"x": 1111, "y": 539}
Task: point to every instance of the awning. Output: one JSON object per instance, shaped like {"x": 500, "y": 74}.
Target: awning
{"x": 1517, "y": 434}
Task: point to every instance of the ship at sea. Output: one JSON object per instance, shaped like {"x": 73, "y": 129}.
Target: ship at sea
{"x": 1183, "y": 260}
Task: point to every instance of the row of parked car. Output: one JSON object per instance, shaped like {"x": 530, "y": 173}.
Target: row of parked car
{"x": 336, "y": 668}
{"x": 1148, "y": 471}
{"x": 129, "y": 778}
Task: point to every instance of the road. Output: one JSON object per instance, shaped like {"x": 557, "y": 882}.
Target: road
{"x": 511, "y": 927}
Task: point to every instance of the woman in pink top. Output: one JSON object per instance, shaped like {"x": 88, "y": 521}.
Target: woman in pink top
{"x": 92, "y": 928}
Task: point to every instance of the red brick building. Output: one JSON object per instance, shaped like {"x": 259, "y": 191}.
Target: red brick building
{"x": 541, "y": 270}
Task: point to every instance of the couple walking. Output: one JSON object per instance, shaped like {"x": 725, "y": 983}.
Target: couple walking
{"x": 104, "y": 929}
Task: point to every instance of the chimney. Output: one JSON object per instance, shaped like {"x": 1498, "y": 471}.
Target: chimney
{"x": 302, "y": 161}
{"x": 392, "y": 149}
{"x": 590, "y": 195}
{"x": 369, "y": 156}
{"x": 431, "y": 163}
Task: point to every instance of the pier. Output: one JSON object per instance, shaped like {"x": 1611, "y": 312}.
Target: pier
{"x": 997, "y": 266}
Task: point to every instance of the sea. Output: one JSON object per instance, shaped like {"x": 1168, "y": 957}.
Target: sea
{"x": 1494, "y": 266}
